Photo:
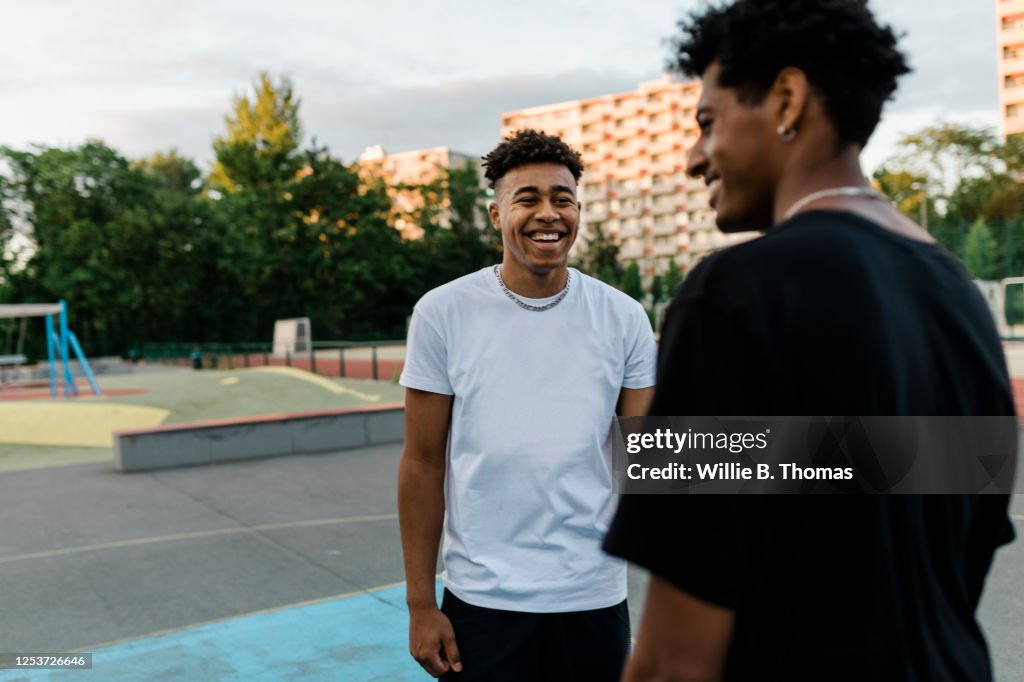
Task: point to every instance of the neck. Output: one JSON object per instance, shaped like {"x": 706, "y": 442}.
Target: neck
{"x": 803, "y": 178}
{"x": 532, "y": 284}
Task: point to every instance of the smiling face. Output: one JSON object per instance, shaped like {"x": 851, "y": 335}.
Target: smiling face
{"x": 737, "y": 154}
{"x": 538, "y": 215}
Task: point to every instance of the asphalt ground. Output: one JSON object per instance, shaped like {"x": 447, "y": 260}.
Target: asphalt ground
{"x": 284, "y": 568}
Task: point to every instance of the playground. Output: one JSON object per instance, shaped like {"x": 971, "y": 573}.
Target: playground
{"x": 37, "y": 431}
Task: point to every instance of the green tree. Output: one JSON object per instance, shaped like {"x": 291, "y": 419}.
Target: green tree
{"x": 257, "y": 169}
{"x": 672, "y": 278}
{"x": 980, "y": 251}
{"x": 260, "y": 149}
{"x": 968, "y": 174}
{"x": 112, "y": 238}
{"x": 908, "y": 192}
{"x": 632, "y": 284}
{"x": 457, "y": 236}
{"x": 347, "y": 265}
{"x": 601, "y": 258}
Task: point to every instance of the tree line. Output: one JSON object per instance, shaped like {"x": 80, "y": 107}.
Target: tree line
{"x": 966, "y": 186}
{"x": 156, "y": 250}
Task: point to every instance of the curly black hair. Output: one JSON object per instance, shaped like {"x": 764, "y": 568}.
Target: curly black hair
{"x": 849, "y": 58}
{"x": 530, "y": 146}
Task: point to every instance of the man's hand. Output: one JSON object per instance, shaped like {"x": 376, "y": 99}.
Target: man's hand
{"x": 432, "y": 641}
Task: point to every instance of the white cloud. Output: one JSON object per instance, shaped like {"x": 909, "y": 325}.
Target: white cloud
{"x": 160, "y": 74}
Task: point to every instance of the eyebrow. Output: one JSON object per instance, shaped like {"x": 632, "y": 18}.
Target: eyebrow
{"x": 530, "y": 189}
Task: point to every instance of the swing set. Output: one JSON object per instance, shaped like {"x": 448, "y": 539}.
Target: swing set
{"x": 60, "y": 341}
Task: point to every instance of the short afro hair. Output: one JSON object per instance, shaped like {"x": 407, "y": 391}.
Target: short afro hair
{"x": 849, "y": 58}
{"x": 530, "y": 146}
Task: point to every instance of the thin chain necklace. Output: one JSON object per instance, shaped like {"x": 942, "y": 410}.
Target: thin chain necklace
{"x": 849, "y": 191}
{"x": 526, "y": 306}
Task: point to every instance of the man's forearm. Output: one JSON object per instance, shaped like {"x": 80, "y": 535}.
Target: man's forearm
{"x": 421, "y": 518}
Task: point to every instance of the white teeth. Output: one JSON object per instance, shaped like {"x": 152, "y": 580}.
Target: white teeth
{"x": 714, "y": 185}
{"x": 545, "y": 237}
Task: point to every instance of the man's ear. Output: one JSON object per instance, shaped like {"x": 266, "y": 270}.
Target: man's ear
{"x": 492, "y": 211}
{"x": 790, "y": 92}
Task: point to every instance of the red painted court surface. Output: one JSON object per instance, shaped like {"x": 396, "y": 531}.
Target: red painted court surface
{"x": 1018, "y": 394}
{"x": 350, "y": 368}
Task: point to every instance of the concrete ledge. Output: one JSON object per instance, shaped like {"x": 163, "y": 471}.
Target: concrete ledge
{"x": 273, "y": 435}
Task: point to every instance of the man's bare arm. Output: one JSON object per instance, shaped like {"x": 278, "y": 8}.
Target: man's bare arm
{"x": 421, "y": 475}
{"x": 633, "y": 402}
{"x": 681, "y": 638}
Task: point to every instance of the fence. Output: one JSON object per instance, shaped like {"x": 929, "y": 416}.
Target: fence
{"x": 353, "y": 359}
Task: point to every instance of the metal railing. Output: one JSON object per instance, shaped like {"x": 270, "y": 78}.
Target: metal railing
{"x": 318, "y": 359}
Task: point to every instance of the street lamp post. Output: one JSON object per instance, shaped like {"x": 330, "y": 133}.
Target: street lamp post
{"x": 923, "y": 188}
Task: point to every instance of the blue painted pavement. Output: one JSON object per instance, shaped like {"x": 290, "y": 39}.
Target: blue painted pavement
{"x": 354, "y": 638}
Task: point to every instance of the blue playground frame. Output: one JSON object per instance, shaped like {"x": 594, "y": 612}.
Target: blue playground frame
{"x": 60, "y": 343}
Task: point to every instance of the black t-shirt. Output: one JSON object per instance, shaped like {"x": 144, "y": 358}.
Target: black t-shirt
{"x": 830, "y": 314}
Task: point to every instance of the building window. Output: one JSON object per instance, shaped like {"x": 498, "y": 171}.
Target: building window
{"x": 1014, "y": 80}
{"x": 1013, "y": 21}
{"x": 1013, "y": 51}
{"x": 1014, "y": 111}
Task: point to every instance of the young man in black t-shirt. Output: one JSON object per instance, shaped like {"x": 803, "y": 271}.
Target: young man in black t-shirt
{"x": 843, "y": 307}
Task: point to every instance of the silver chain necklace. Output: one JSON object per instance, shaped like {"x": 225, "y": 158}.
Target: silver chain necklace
{"x": 850, "y": 191}
{"x": 526, "y": 306}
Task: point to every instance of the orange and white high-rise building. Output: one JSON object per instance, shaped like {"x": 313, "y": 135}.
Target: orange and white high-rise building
{"x": 1010, "y": 42}
{"x": 634, "y": 185}
{"x": 417, "y": 167}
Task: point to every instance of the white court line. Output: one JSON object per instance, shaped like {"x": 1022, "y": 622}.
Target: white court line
{"x": 1017, "y": 517}
{"x": 197, "y": 534}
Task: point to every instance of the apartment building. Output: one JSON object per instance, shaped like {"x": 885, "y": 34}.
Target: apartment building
{"x": 417, "y": 167}
{"x": 1010, "y": 42}
{"x": 634, "y": 185}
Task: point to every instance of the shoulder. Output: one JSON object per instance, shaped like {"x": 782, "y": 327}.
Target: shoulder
{"x": 598, "y": 292}
{"x": 454, "y": 293}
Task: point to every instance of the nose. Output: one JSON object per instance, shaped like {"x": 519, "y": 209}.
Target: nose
{"x": 546, "y": 212}
{"x": 697, "y": 159}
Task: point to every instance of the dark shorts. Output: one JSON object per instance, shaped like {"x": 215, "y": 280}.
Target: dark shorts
{"x": 499, "y": 646}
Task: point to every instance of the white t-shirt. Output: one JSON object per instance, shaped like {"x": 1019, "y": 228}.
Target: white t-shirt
{"x": 529, "y": 486}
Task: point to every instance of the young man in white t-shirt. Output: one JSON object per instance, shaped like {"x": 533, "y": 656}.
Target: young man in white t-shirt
{"x": 513, "y": 377}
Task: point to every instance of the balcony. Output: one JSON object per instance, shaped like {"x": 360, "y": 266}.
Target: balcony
{"x": 666, "y": 249}
{"x": 631, "y": 251}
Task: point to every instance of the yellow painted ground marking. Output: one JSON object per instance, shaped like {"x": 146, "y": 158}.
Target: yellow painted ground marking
{"x": 229, "y": 381}
{"x": 195, "y": 535}
{"x": 319, "y": 381}
{"x": 72, "y": 423}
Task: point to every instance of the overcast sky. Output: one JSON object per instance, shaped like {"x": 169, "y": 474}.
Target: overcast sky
{"x": 158, "y": 74}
